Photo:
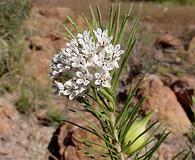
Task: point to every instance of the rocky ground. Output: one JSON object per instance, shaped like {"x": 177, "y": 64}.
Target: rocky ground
{"x": 165, "y": 52}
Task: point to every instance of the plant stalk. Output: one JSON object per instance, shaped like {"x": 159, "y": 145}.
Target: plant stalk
{"x": 115, "y": 135}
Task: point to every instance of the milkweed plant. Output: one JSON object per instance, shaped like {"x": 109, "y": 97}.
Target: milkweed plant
{"x": 88, "y": 69}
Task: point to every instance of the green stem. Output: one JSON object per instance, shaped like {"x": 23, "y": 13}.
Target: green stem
{"x": 115, "y": 135}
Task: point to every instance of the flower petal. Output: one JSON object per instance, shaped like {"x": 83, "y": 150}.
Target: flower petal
{"x": 79, "y": 81}
{"x": 86, "y": 82}
{"x": 79, "y": 74}
{"x": 97, "y": 82}
{"x": 67, "y": 92}
{"x": 106, "y": 84}
{"x": 97, "y": 75}
{"x": 71, "y": 96}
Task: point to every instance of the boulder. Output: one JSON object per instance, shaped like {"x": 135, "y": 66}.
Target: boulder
{"x": 58, "y": 12}
{"x": 168, "y": 43}
{"x": 184, "y": 95}
{"x": 192, "y": 46}
{"x": 63, "y": 144}
{"x": 7, "y": 114}
{"x": 163, "y": 99}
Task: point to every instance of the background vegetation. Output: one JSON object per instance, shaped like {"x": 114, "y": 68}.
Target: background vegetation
{"x": 14, "y": 77}
{"x": 166, "y": 1}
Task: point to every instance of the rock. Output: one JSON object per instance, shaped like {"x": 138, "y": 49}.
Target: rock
{"x": 38, "y": 43}
{"x": 57, "y": 12}
{"x": 21, "y": 138}
{"x": 62, "y": 146}
{"x": 191, "y": 50}
{"x": 65, "y": 143}
{"x": 7, "y": 110}
{"x": 7, "y": 114}
{"x": 168, "y": 78}
{"x": 163, "y": 99}
{"x": 5, "y": 128}
{"x": 165, "y": 152}
{"x": 168, "y": 43}
{"x": 184, "y": 95}
{"x": 190, "y": 79}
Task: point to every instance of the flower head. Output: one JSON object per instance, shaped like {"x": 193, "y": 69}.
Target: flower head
{"x": 84, "y": 62}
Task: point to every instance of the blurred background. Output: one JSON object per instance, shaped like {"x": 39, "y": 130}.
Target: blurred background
{"x": 31, "y": 32}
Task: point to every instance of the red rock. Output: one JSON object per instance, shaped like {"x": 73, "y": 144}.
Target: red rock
{"x": 163, "y": 99}
{"x": 190, "y": 79}
{"x": 167, "y": 42}
{"x": 192, "y": 45}
{"x": 7, "y": 114}
{"x": 184, "y": 95}
{"x": 165, "y": 152}
{"x": 38, "y": 43}
{"x": 60, "y": 13}
{"x": 7, "y": 110}
{"x": 5, "y": 128}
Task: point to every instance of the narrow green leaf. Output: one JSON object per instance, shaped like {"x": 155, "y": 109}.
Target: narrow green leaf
{"x": 99, "y": 16}
{"x": 81, "y": 127}
{"x": 162, "y": 137}
{"x": 100, "y": 101}
{"x": 130, "y": 119}
{"x": 150, "y": 139}
{"x": 125, "y": 107}
{"x": 66, "y": 36}
{"x": 110, "y": 91}
{"x": 93, "y": 17}
{"x": 74, "y": 24}
{"x": 113, "y": 23}
{"x": 94, "y": 143}
{"x": 124, "y": 25}
{"x": 87, "y": 153}
{"x": 178, "y": 154}
{"x": 128, "y": 48}
{"x": 186, "y": 156}
{"x": 124, "y": 149}
{"x": 69, "y": 32}
{"x": 87, "y": 22}
{"x": 132, "y": 93}
{"x": 108, "y": 96}
{"x": 93, "y": 126}
{"x": 117, "y": 24}
{"x": 111, "y": 20}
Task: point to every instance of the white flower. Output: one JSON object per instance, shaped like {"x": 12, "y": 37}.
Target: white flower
{"x": 102, "y": 37}
{"x": 71, "y": 89}
{"x": 103, "y": 79}
{"x": 85, "y": 61}
{"x": 59, "y": 88}
{"x": 59, "y": 65}
{"x": 78, "y": 61}
{"x": 83, "y": 78}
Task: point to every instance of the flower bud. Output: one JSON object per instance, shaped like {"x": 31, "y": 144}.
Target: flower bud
{"x": 137, "y": 128}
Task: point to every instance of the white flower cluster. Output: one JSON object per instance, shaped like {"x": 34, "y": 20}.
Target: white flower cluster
{"x": 85, "y": 62}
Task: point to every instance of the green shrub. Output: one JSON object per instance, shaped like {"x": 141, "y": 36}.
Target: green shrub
{"x": 54, "y": 116}
{"x": 174, "y": 1}
{"x": 162, "y": 1}
{"x": 177, "y": 1}
{"x": 24, "y": 102}
{"x": 12, "y": 14}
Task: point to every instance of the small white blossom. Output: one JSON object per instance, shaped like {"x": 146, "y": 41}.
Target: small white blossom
{"x": 59, "y": 88}
{"x": 83, "y": 78}
{"x": 84, "y": 62}
{"x": 78, "y": 61}
{"x": 102, "y": 37}
{"x": 103, "y": 79}
{"x": 71, "y": 89}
